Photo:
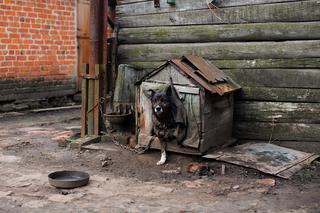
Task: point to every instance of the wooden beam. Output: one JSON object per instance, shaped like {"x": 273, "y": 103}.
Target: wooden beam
{"x": 286, "y": 78}
{"x": 284, "y": 12}
{"x": 277, "y": 131}
{"x": 90, "y": 108}
{"x": 136, "y": 7}
{"x": 97, "y": 101}
{"x": 219, "y": 50}
{"x": 242, "y": 64}
{"x": 217, "y": 33}
{"x": 84, "y": 101}
{"x": 278, "y": 112}
{"x": 279, "y": 94}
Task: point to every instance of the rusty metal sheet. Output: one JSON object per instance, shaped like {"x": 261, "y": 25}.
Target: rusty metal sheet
{"x": 206, "y": 74}
{"x": 265, "y": 157}
{"x": 187, "y": 70}
{"x": 207, "y": 70}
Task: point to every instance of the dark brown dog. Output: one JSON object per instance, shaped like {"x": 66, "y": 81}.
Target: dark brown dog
{"x": 164, "y": 114}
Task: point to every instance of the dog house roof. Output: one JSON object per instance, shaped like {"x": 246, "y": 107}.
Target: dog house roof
{"x": 202, "y": 72}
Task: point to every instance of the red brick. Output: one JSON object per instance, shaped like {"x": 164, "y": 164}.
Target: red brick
{"x": 37, "y": 39}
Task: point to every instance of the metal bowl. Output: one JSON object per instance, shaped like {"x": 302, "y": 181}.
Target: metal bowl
{"x": 115, "y": 118}
{"x": 68, "y": 179}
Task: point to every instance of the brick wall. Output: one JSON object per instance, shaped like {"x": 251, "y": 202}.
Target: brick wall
{"x": 37, "y": 48}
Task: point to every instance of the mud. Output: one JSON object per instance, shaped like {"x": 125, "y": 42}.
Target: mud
{"x": 129, "y": 182}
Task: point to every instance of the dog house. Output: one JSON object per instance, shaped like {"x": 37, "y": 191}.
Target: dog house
{"x": 207, "y": 95}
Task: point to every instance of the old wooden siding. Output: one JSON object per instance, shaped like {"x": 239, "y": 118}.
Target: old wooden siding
{"x": 270, "y": 47}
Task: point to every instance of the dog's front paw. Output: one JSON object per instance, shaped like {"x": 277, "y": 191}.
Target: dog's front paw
{"x": 161, "y": 162}
{"x": 163, "y": 158}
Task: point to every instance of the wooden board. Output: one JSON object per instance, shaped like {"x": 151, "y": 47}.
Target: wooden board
{"x": 286, "y": 78}
{"x": 276, "y": 131}
{"x": 139, "y": 7}
{"x": 214, "y": 33}
{"x": 279, "y": 112}
{"x": 279, "y": 94}
{"x": 239, "y": 64}
{"x": 84, "y": 101}
{"x": 284, "y": 12}
{"x": 219, "y": 50}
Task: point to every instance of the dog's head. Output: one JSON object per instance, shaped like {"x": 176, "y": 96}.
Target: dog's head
{"x": 161, "y": 103}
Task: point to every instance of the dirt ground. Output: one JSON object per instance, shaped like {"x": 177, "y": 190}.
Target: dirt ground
{"x": 130, "y": 182}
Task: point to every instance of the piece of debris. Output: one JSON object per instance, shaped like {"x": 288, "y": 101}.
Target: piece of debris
{"x": 195, "y": 167}
{"x": 106, "y": 161}
{"x": 265, "y": 157}
{"x": 236, "y": 187}
{"x": 62, "y": 138}
{"x": 174, "y": 171}
{"x": 266, "y": 181}
{"x": 260, "y": 190}
{"x": 223, "y": 169}
{"x": 132, "y": 142}
{"x": 201, "y": 169}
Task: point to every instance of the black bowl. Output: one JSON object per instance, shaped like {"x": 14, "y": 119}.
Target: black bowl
{"x": 68, "y": 179}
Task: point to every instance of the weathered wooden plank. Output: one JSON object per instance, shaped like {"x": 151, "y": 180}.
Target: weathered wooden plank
{"x": 121, "y": 2}
{"x": 220, "y": 50}
{"x": 284, "y": 12}
{"x": 90, "y": 109}
{"x": 279, "y": 94}
{"x": 216, "y": 33}
{"x": 278, "y": 112}
{"x": 247, "y": 64}
{"x": 286, "y": 78}
{"x": 147, "y": 7}
{"x": 84, "y": 101}
{"x": 97, "y": 95}
{"x": 277, "y": 131}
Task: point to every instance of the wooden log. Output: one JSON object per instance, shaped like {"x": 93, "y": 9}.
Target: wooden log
{"x": 279, "y": 94}
{"x": 240, "y": 64}
{"x": 286, "y": 78}
{"x": 84, "y": 101}
{"x": 278, "y": 112}
{"x": 139, "y": 7}
{"x": 220, "y": 50}
{"x": 277, "y": 131}
{"x": 216, "y": 33}
{"x": 284, "y": 12}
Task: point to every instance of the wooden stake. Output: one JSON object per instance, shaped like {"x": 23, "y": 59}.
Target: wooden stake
{"x": 90, "y": 109}
{"x": 97, "y": 100}
{"x": 84, "y": 101}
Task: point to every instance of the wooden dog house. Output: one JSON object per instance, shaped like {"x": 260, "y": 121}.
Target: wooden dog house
{"x": 207, "y": 95}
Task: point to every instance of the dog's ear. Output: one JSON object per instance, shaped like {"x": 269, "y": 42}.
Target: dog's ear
{"x": 169, "y": 91}
{"x": 149, "y": 93}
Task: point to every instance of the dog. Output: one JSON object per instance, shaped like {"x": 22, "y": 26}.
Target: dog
{"x": 168, "y": 118}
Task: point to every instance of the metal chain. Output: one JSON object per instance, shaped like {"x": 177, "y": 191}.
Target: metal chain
{"x": 134, "y": 150}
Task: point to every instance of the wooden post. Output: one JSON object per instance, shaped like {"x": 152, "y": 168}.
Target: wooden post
{"x": 84, "y": 98}
{"x": 90, "y": 115}
{"x": 97, "y": 100}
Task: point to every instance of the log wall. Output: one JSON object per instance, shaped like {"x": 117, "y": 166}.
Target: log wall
{"x": 270, "y": 47}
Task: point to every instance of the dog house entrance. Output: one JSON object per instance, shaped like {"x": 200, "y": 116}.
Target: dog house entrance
{"x": 191, "y": 100}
